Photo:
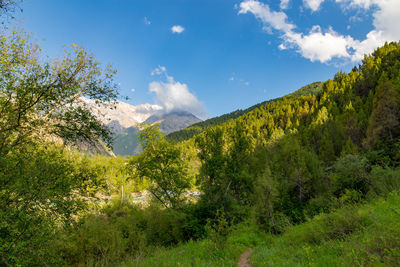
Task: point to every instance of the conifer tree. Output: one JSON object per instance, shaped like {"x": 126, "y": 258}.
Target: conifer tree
{"x": 384, "y": 121}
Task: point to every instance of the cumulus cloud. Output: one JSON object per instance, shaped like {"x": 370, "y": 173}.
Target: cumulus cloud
{"x": 318, "y": 45}
{"x": 177, "y": 29}
{"x": 324, "y": 46}
{"x": 313, "y": 4}
{"x": 284, "y": 4}
{"x": 386, "y": 24}
{"x": 172, "y": 95}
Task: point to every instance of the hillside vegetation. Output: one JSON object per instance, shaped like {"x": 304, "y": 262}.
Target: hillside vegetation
{"x": 191, "y": 131}
{"x": 305, "y": 180}
{"x": 355, "y": 235}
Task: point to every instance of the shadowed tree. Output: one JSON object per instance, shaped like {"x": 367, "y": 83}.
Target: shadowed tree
{"x": 384, "y": 120}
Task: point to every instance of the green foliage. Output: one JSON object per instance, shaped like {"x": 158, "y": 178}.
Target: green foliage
{"x": 385, "y": 116}
{"x": 384, "y": 180}
{"x": 41, "y": 99}
{"x": 350, "y": 172}
{"x": 40, "y": 190}
{"x": 353, "y": 235}
{"x": 43, "y": 185}
{"x": 197, "y": 128}
{"x": 203, "y": 253}
{"x": 126, "y": 143}
{"x": 224, "y": 178}
{"x": 217, "y": 230}
{"x": 310, "y": 89}
{"x": 8, "y": 7}
{"x": 119, "y": 232}
{"x": 163, "y": 165}
{"x": 364, "y": 235}
{"x": 297, "y": 167}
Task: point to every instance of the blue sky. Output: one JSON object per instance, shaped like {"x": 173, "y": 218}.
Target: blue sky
{"x": 222, "y": 55}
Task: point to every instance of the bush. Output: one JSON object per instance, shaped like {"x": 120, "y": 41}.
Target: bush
{"x": 350, "y": 172}
{"x": 384, "y": 180}
{"x": 122, "y": 231}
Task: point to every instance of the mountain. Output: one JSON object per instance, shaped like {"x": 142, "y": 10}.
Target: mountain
{"x": 174, "y": 121}
{"x": 189, "y": 132}
{"x": 124, "y": 114}
{"x": 126, "y": 140}
{"x": 124, "y": 120}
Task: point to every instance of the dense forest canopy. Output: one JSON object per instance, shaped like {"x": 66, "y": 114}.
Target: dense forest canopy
{"x": 191, "y": 131}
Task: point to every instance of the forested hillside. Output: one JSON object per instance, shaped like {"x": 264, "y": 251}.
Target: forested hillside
{"x": 189, "y": 132}
{"x": 298, "y": 149}
{"x": 295, "y": 158}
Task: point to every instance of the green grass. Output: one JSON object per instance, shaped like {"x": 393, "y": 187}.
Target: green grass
{"x": 359, "y": 235}
{"x": 205, "y": 252}
{"x": 368, "y": 235}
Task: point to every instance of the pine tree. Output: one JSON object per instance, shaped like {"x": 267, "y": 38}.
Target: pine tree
{"x": 384, "y": 120}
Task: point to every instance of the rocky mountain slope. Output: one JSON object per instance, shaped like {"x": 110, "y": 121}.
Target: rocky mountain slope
{"x": 124, "y": 120}
{"x": 126, "y": 140}
{"x": 173, "y": 121}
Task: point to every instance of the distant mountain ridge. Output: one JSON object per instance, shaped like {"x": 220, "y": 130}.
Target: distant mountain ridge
{"x": 173, "y": 121}
{"x": 124, "y": 121}
{"x": 126, "y": 141}
{"x": 125, "y": 114}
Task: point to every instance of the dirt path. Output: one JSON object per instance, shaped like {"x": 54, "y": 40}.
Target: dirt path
{"x": 244, "y": 259}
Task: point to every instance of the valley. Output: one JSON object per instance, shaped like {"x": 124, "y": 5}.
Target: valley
{"x": 275, "y": 143}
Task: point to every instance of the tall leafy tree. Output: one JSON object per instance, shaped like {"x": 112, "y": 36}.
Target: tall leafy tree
{"x": 163, "y": 165}
{"x": 41, "y": 102}
{"x": 42, "y": 99}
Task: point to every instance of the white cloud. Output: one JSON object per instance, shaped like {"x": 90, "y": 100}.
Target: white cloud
{"x": 318, "y": 45}
{"x": 133, "y": 90}
{"x": 174, "y": 96}
{"x": 177, "y": 29}
{"x": 232, "y": 78}
{"x": 324, "y": 46}
{"x": 284, "y": 4}
{"x": 386, "y": 24}
{"x": 147, "y": 21}
{"x": 271, "y": 19}
{"x": 387, "y": 19}
{"x": 313, "y": 4}
{"x": 359, "y": 3}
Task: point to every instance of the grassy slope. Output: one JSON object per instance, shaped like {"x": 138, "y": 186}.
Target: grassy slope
{"x": 204, "y": 252}
{"x": 353, "y": 236}
{"x": 367, "y": 234}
